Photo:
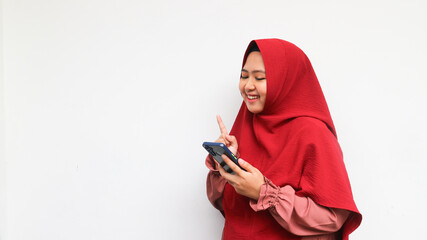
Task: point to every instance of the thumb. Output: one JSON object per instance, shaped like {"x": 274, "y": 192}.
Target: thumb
{"x": 248, "y": 167}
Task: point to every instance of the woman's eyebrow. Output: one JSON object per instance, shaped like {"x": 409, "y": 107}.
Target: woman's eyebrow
{"x": 254, "y": 71}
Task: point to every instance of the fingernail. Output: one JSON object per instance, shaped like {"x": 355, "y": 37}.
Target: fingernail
{"x": 241, "y": 161}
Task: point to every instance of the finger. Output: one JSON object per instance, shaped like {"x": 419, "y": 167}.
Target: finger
{"x": 224, "y": 136}
{"x": 221, "y": 125}
{"x": 232, "y": 165}
{"x": 247, "y": 166}
{"x": 232, "y": 140}
{"x": 220, "y": 140}
{"x": 220, "y": 169}
{"x": 226, "y": 175}
{"x": 216, "y": 165}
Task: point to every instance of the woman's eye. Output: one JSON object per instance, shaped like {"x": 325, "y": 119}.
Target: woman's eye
{"x": 243, "y": 77}
{"x": 259, "y": 79}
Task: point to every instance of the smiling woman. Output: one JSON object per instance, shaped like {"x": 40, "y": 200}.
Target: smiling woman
{"x": 295, "y": 185}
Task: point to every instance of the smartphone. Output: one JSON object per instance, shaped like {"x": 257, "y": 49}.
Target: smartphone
{"x": 216, "y": 150}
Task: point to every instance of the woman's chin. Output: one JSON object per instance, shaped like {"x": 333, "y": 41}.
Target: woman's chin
{"x": 254, "y": 110}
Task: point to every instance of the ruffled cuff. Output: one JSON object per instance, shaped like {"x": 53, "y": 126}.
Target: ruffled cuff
{"x": 270, "y": 195}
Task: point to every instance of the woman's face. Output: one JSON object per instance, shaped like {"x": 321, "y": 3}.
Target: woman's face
{"x": 253, "y": 84}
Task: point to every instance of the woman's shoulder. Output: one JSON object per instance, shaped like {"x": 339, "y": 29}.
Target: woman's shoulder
{"x": 307, "y": 131}
{"x": 308, "y": 124}
{"x": 310, "y": 128}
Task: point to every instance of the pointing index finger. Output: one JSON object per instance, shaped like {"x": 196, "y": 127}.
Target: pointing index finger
{"x": 221, "y": 125}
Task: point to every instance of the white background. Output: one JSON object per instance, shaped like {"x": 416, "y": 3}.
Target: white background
{"x": 104, "y": 106}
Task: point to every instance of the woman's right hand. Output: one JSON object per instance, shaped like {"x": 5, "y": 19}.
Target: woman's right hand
{"x": 228, "y": 140}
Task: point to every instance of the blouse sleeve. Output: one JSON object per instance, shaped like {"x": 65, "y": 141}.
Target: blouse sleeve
{"x": 298, "y": 215}
{"x": 214, "y": 185}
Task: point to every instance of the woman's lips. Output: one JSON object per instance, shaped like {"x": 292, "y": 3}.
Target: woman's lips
{"x": 252, "y": 98}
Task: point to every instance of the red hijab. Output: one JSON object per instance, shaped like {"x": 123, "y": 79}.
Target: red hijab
{"x": 292, "y": 142}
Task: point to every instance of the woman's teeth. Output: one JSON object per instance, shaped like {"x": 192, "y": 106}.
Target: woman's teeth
{"x": 253, "y": 97}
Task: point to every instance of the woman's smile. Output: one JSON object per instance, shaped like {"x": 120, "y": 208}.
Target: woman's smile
{"x": 252, "y": 98}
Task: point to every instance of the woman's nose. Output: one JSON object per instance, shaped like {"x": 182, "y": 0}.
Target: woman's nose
{"x": 250, "y": 86}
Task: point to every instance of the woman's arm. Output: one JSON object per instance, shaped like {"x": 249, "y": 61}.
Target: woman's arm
{"x": 215, "y": 184}
{"x": 298, "y": 215}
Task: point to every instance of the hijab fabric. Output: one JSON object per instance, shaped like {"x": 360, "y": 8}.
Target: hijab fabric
{"x": 293, "y": 142}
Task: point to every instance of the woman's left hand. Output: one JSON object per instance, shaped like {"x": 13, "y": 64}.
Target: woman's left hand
{"x": 245, "y": 183}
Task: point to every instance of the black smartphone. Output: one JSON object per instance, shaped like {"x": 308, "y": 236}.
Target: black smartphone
{"x": 216, "y": 150}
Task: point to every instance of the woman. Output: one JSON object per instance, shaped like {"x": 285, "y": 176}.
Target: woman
{"x": 295, "y": 185}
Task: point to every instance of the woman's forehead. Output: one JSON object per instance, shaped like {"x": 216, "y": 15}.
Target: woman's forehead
{"x": 253, "y": 62}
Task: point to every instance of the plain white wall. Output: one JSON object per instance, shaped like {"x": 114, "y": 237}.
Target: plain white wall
{"x": 106, "y": 104}
{"x": 3, "y": 177}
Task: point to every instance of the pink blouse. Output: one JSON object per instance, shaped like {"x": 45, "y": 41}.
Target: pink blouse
{"x": 298, "y": 215}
